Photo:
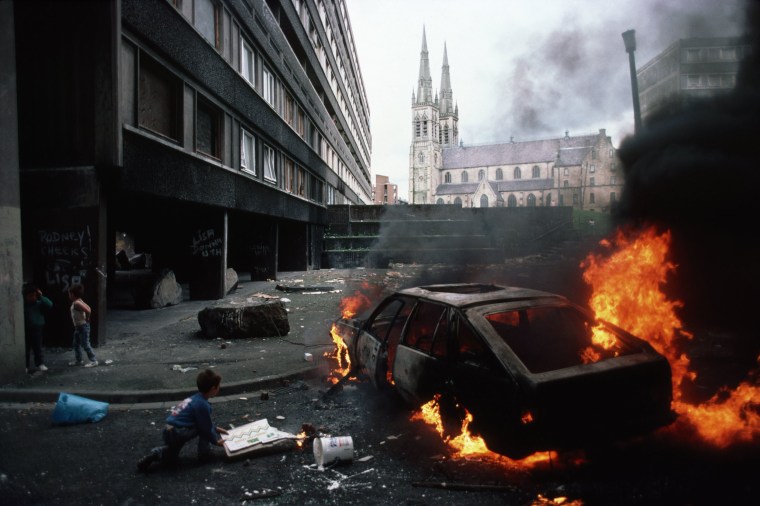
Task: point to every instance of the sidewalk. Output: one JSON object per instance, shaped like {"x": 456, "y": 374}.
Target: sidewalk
{"x": 154, "y": 355}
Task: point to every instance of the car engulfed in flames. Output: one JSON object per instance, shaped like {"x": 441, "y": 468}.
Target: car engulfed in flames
{"x": 535, "y": 371}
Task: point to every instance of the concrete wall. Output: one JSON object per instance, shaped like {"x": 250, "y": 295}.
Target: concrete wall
{"x": 12, "y": 323}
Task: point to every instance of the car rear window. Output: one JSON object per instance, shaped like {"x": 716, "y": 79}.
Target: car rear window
{"x": 553, "y": 337}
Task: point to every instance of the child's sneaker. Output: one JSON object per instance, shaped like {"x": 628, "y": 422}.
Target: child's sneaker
{"x": 76, "y": 363}
{"x": 94, "y": 363}
{"x": 144, "y": 463}
{"x": 42, "y": 367}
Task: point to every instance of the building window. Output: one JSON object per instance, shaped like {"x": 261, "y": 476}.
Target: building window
{"x": 458, "y": 201}
{"x": 439, "y": 201}
{"x": 499, "y": 174}
{"x": 289, "y": 177}
{"x": 447, "y": 177}
{"x": 613, "y": 180}
{"x": 531, "y": 200}
{"x": 613, "y": 197}
{"x": 481, "y": 175}
{"x": 417, "y": 128}
{"x": 567, "y": 171}
{"x": 536, "y": 171}
{"x": 548, "y": 200}
{"x": 206, "y": 20}
{"x": 518, "y": 173}
{"x": 592, "y": 168}
{"x": 269, "y": 87}
{"x": 247, "y": 152}
{"x": 247, "y": 62}
{"x": 446, "y": 134}
{"x": 511, "y": 201}
{"x": 566, "y": 183}
{"x": 464, "y": 176}
{"x": 290, "y": 115}
{"x": 592, "y": 181}
{"x": 270, "y": 164}
{"x": 208, "y": 128}
{"x": 159, "y": 99}
{"x": 483, "y": 201}
{"x": 575, "y": 199}
{"x": 692, "y": 55}
{"x": 424, "y": 126}
{"x": 299, "y": 122}
{"x": 421, "y": 157}
{"x": 561, "y": 200}
{"x": 591, "y": 198}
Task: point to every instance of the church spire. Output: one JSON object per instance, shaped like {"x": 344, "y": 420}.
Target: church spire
{"x": 446, "y": 93}
{"x": 425, "y": 83}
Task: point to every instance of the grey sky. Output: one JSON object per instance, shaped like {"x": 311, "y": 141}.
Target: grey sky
{"x": 528, "y": 69}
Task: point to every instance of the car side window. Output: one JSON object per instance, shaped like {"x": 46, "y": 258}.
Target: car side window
{"x": 422, "y": 326}
{"x": 386, "y": 319}
{"x": 471, "y": 349}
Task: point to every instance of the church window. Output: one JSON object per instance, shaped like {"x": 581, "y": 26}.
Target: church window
{"x": 511, "y": 201}
{"x": 417, "y": 128}
{"x": 518, "y": 173}
{"x": 421, "y": 157}
{"x": 446, "y": 134}
{"x": 435, "y": 158}
{"x": 536, "y": 171}
{"x": 499, "y": 174}
{"x": 531, "y": 200}
{"x": 481, "y": 174}
{"x": 458, "y": 201}
{"x": 464, "y": 176}
{"x": 483, "y": 201}
{"x": 447, "y": 177}
{"x": 424, "y": 127}
{"x": 548, "y": 200}
{"x": 439, "y": 201}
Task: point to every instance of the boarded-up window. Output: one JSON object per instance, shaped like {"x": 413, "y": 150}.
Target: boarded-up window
{"x": 208, "y": 125}
{"x": 158, "y": 99}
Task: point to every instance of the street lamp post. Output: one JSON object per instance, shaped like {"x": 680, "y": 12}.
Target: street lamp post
{"x": 629, "y": 39}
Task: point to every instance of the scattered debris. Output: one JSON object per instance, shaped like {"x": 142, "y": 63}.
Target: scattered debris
{"x": 264, "y": 396}
{"x": 260, "y": 494}
{"x": 365, "y": 458}
{"x": 177, "y": 367}
{"x": 263, "y": 296}
{"x": 109, "y": 362}
{"x": 72, "y": 409}
{"x": 256, "y": 438}
{"x": 286, "y": 288}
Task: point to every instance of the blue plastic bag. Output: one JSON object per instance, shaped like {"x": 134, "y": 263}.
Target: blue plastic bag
{"x": 71, "y": 409}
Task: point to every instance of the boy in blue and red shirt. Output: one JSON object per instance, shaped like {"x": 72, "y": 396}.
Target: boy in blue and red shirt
{"x": 189, "y": 419}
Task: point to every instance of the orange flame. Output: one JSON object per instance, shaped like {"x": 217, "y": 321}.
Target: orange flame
{"x": 626, "y": 291}
{"x": 467, "y": 444}
{"x": 351, "y": 306}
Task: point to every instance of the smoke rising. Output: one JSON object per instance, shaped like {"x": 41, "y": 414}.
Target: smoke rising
{"x": 694, "y": 171}
{"x": 575, "y": 78}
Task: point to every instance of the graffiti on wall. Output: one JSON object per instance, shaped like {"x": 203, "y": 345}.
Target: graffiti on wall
{"x": 206, "y": 243}
{"x": 68, "y": 256}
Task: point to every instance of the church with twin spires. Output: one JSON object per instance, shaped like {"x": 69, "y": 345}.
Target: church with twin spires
{"x": 580, "y": 171}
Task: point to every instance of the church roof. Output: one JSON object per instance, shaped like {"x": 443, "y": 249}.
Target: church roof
{"x": 456, "y": 189}
{"x": 571, "y": 151}
{"x": 497, "y": 186}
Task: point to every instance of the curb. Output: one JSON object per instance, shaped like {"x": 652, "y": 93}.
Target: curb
{"x": 28, "y": 395}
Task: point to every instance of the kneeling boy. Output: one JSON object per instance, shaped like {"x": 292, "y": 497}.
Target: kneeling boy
{"x": 189, "y": 419}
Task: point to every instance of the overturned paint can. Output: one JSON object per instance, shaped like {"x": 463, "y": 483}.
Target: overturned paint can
{"x": 328, "y": 450}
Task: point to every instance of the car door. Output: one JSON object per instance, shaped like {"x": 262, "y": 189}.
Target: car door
{"x": 377, "y": 341}
{"x": 482, "y": 385}
{"x": 419, "y": 367}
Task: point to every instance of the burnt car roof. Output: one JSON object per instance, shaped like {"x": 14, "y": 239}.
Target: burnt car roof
{"x": 474, "y": 294}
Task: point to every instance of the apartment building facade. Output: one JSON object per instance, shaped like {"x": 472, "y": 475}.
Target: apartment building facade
{"x": 212, "y": 132}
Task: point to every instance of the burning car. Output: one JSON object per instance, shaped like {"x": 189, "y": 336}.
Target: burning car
{"x": 535, "y": 371}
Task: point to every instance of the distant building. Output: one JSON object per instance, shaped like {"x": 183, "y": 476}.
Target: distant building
{"x": 689, "y": 70}
{"x": 385, "y": 191}
{"x": 578, "y": 171}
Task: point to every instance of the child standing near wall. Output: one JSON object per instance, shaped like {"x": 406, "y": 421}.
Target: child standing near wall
{"x": 35, "y": 307}
{"x": 80, "y": 317}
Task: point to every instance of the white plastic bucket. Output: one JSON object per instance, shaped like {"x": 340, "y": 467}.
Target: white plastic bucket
{"x": 328, "y": 450}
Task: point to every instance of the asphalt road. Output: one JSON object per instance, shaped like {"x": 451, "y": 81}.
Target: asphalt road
{"x": 95, "y": 463}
